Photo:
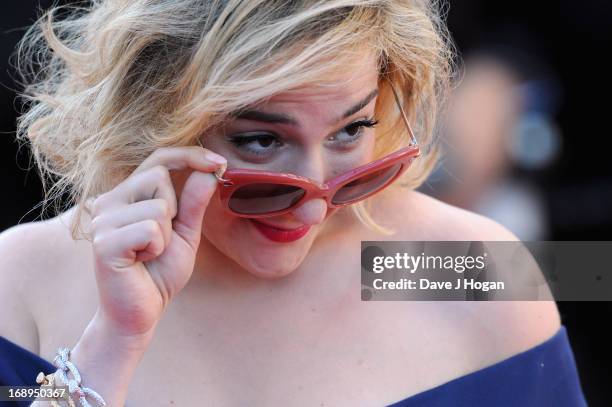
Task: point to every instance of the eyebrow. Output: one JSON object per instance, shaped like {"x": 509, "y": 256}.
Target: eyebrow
{"x": 281, "y": 118}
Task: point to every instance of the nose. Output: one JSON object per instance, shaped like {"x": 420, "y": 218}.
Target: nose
{"x": 311, "y": 165}
{"x": 311, "y": 212}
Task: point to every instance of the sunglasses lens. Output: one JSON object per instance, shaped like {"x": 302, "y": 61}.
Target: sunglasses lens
{"x": 365, "y": 185}
{"x": 257, "y": 199}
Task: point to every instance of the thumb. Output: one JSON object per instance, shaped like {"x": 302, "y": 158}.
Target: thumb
{"x": 196, "y": 194}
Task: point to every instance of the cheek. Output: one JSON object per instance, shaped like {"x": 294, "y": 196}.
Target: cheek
{"x": 369, "y": 147}
{"x": 223, "y": 230}
{"x": 342, "y": 163}
{"x": 217, "y": 220}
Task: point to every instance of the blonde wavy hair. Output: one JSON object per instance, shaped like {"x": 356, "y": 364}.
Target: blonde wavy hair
{"x": 107, "y": 84}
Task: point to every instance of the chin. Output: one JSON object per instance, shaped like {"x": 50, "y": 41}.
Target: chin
{"x": 240, "y": 241}
{"x": 272, "y": 261}
{"x": 273, "y": 264}
{"x": 270, "y": 274}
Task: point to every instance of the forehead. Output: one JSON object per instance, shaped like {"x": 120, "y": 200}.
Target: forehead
{"x": 343, "y": 83}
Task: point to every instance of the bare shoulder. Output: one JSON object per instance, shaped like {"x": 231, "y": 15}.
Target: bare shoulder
{"x": 510, "y": 326}
{"x": 418, "y": 216}
{"x": 38, "y": 265}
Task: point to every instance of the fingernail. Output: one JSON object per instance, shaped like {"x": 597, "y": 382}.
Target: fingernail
{"x": 220, "y": 171}
{"x": 216, "y": 158}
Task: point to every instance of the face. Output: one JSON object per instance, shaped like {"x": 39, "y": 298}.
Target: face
{"x": 311, "y": 131}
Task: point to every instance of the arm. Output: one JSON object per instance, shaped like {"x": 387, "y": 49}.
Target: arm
{"x": 144, "y": 246}
{"x": 16, "y": 320}
{"x": 106, "y": 361}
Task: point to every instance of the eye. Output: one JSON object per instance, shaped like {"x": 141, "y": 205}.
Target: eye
{"x": 353, "y": 131}
{"x": 256, "y": 143}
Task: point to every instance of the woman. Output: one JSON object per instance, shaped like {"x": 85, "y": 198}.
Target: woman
{"x": 181, "y": 294}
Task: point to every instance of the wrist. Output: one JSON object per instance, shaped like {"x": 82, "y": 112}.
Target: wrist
{"x": 106, "y": 360}
{"x": 100, "y": 326}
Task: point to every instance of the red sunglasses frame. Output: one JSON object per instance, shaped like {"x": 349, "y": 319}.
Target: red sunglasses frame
{"x": 232, "y": 179}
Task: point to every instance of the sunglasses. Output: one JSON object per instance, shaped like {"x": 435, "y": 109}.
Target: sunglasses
{"x": 252, "y": 193}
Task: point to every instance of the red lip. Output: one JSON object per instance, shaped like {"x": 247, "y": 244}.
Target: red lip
{"x": 280, "y": 235}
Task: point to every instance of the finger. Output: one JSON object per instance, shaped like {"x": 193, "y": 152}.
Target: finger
{"x": 170, "y": 158}
{"x": 155, "y": 209}
{"x": 155, "y": 183}
{"x": 121, "y": 248}
{"x": 178, "y": 158}
{"x": 195, "y": 197}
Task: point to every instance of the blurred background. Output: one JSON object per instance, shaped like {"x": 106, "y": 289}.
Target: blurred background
{"x": 525, "y": 137}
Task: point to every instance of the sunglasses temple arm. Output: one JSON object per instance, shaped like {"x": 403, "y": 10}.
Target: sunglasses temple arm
{"x": 413, "y": 140}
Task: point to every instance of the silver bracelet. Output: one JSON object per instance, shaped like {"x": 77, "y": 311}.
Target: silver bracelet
{"x": 64, "y": 365}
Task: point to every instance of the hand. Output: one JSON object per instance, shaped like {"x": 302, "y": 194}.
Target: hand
{"x": 144, "y": 242}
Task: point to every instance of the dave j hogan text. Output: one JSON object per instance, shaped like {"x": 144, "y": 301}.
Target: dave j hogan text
{"x": 426, "y": 284}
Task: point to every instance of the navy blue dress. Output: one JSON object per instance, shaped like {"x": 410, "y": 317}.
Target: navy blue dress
{"x": 542, "y": 376}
